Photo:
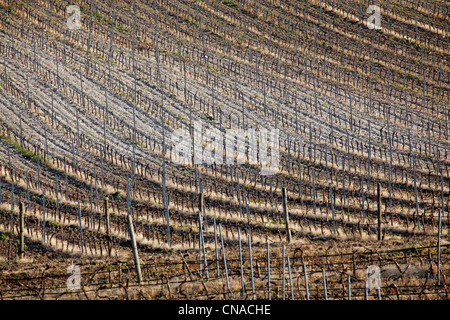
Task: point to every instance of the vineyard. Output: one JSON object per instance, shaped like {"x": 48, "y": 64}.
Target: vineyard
{"x": 92, "y": 121}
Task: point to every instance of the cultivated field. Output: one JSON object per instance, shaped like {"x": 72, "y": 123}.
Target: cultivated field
{"x": 91, "y": 120}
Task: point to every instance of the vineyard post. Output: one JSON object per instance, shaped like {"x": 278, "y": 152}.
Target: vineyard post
{"x": 310, "y": 141}
{"x": 229, "y": 57}
{"x": 289, "y": 154}
{"x": 203, "y": 206}
{"x": 371, "y": 108}
{"x": 349, "y": 288}
{"x": 90, "y": 203}
{"x": 57, "y": 198}
{"x": 20, "y": 130}
{"x": 264, "y": 93}
{"x": 246, "y": 206}
{"x": 46, "y": 146}
{"x": 81, "y": 227}
{"x": 28, "y": 192}
{"x": 437, "y": 166}
{"x": 337, "y": 80}
{"x": 299, "y": 174}
{"x": 43, "y": 213}
{"x": 442, "y": 192}
{"x": 415, "y": 191}
{"x": 366, "y": 293}
{"x": 256, "y": 68}
{"x": 325, "y": 291}
{"x": 351, "y": 114}
{"x": 251, "y": 263}
{"x": 81, "y": 97}
{"x": 21, "y": 231}
{"x": 224, "y": 261}
{"x": 42, "y": 34}
{"x": 315, "y": 96}
{"x": 157, "y": 50}
{"x": 216, "y": 249}
{"x": 133, "y": 141}
{"x": 286, "y": 214}
{"x": 10, "y": 165}
{"x": 74, "y": 166}
{"x": 389, "y": 55}
{"x": 243, "y": 114}
{"x": 284, "y": 273}
{"x": 332, "y": 208}
{"x": 38, "y": 168}
{"x": 306, "y": 67}
{"x": 165, "y": 200}
{"x": 240, "y": 264}
{"x": 314, "y": 191}
{"x": 179, "y": 41}
{"x": 268, "y": 272}
{"x": 89, "y": 37}
{"x": 348, "y": 152}
{"x": 379, "y": 210}
{"x": 6, "y": 75}
{"x": 12, "y": 206}
{"x": 239, "y": 193}
{"x": 108, "y": 228}
{"x": 201, "y": 199}
{"x": 231, "y": 180}
{"x": 202, "y": 244}
{"x": 290, "y": 278}
{"x": 135, "y": 251}
{"x": 446, "y": 116}
{"x": 53, "y": 111}
{"x": 306, "y": 281}
{"x": 111, "y": 42}
{"x": 368, "y": 158}
{"x": 343, "y": 180}
{"x": 390, "y": 167}
{"x": 34, "y": 54}
{"x": 296, "y": 113}
{"x": 439, "y": 250}
{"x": 199, "y": 242}
{"x": 57, "y": 73}
{"x": 404, "y": 89}
{"x": 362, "y": 198}
{"x": 64, "y": 44}
{"x": 271, "y": 191}
{"x": 65, "y": 177}
{"x": 96, "y": 189}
